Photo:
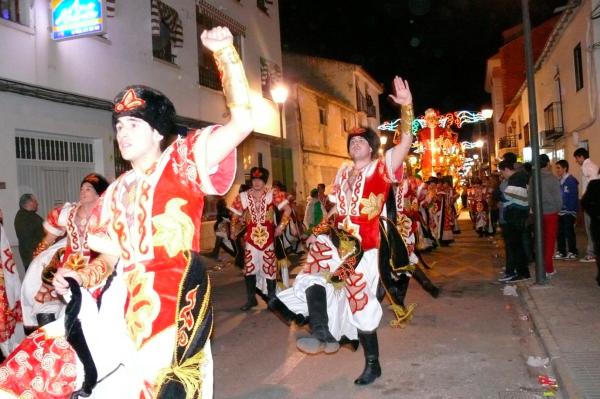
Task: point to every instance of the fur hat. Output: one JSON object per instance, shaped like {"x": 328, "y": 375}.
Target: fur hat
{"x": 97, "y": 181}
{"x": 148, "y": 104}
{"x": 367, "y": 134}
{"x": 258, "y": 172}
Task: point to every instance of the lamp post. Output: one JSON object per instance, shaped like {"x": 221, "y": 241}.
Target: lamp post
{"x": 279, "y": 93}
{"x": 479, "y": 144}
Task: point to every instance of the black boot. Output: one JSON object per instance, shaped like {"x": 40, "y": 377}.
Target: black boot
{"x": 425, "y": 282}
{"x": 45, "y": 318}
{"x": 250, "y": 293}
{"x": 271, "y": 287}
{"x": 372, "y": 367}
{"x": 279, "y": 308}
{"x": 320, "y": 339}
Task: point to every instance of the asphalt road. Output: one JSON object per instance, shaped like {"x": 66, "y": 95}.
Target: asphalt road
{"x": 471, "y": 342}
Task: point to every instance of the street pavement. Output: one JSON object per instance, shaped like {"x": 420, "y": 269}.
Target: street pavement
{"x": 473, "y": 341}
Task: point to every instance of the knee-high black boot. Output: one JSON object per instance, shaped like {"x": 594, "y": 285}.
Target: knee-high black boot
{"x": 425, "y": 282}
{"x": 279, "y": 308}
{"x": 271, "y": 286}
{"x": 320, "y": 339}
{"x": 45, "y": 318}
{"x": 372, "y": 367}
{"x": 250, "y": 293}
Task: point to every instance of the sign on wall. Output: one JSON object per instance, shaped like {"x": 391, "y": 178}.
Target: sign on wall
{"x": 74, "y": 18}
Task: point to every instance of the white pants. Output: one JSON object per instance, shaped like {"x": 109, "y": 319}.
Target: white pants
{"x": 349, "y": 309}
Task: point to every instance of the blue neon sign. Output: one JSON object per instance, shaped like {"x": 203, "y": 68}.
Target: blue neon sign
{"x": 73, "y": 18}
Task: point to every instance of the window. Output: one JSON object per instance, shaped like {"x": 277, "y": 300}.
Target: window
{"x": 207, "y": 17}
{"x": 15, "y": 11}
{"x": 344, "y": 124}
{"x": 167, "y": 32}
{"x": 578, "y": 67}
{"x": 322, "y": 104}
{"x": 59, "y": 149}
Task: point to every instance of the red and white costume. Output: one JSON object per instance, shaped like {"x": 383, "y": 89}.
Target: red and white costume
{"x": 152, "y": 224}
{"x": 355, "y": 306}
{"x": 11, "y": 321}
{"x": 60, "y": 221}
{"x": 259, "y": 218}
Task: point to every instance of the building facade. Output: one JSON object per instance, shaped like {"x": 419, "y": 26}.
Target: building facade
{"x": 55, "y": 95}
{"x": 327, "y": 99}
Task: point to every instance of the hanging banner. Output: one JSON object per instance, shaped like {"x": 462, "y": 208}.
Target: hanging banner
{"x": 74, "y": 18}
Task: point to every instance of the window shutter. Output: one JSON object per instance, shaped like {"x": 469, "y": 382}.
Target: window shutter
{"x": 161, "y": 11}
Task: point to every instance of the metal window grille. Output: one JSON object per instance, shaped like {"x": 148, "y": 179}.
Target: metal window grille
{"x": 58, "y": 150}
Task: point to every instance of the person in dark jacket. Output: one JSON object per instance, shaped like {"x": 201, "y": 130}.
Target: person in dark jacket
{"x": 29, "y": 227}
{"x": 566, "y": 241}
{"x": 591, "y": 205}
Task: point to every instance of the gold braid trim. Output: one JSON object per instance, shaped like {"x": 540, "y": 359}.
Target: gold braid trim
{"x": 233, "y": 77}
{"x": 94, "y": 273}
{"x": 322, "y": 228}
{"x": 41, "y": 247}
{"x": 407, "y": 116}
{"x": 188, "y": 373}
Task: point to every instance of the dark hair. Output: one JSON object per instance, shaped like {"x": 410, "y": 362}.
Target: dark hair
{"x": 321, "y": 185}
{"x": 506, "y": 164}
{"x": 563, "y": 164}
{"x": 528, "y": 167}
{"x": 581, "y": 152}
{"x": 25, "y": 198}
{"x": 243, "y": 187}
{"x": 314, "y": 193}
{"x": 543, "y": 160}
{"x": 510, "y": 157}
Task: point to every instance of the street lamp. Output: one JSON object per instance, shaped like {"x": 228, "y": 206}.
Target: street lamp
{"x": 487, "y": 113}
{"x": 279, "y": 94}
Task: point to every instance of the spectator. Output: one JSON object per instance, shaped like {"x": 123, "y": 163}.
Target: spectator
{"x": 29, "y": 227}
{"x": 590, "y": 202}
{"x": 566, "y": 239}
{"x": 551, "y": 205}
{"x": 516, "y": 211}
{"x": 315, "y": 211}
{"x": 589, "y": 171}
{"x": 323, "y": 197}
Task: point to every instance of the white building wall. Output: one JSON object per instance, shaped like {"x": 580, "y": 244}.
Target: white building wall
{"x": 99, "y": 67}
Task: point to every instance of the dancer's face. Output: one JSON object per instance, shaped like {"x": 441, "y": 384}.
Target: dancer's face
{"x": 136, "y": 138}
{"x": 258, "y": 184}
{"x": 359, "y": 149}
{"x": 87, "y": 194}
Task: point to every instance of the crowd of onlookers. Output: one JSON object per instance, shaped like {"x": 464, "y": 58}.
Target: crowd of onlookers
{"x": 507, "y": 201}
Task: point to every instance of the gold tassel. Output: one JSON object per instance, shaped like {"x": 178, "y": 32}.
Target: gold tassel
{"x": 403, "y": 315}
{"x": 188, "y": 373}
{"x": 233, "y": 77}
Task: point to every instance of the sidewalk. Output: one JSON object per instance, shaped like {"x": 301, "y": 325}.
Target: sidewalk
{"x": 566, "y": 314}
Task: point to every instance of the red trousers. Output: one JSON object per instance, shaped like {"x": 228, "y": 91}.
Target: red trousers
{"x": 550, "y": 229}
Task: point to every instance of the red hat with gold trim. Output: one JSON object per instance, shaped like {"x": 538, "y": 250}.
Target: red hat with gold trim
{"x": 258, "y": 172}
{"x": 147, "y": 104}
{"x": 367, "y": 134}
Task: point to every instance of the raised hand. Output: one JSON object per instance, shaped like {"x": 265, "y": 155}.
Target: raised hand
{"x": 402, "y": 92}
{"x": 216, "y": 38}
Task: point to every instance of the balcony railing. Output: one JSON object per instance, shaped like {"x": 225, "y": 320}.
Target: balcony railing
{"x": 553, "y": 121}
{"x": 508, "y": 142}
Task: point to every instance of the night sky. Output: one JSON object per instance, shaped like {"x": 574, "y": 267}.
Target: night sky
{"x": 440, "y": 47}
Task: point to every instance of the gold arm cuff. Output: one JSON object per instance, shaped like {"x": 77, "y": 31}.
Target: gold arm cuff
{"x": 407, "y": 117}
{"x": 94, "y": 273}
{"x": 233, "y": 77}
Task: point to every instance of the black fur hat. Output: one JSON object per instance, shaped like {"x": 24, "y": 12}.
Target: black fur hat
{"x": 148, "y": 104}
{"x": 258, "y": 172}
{"x": 367, "y": 134}
{"x": 99, "y": 183}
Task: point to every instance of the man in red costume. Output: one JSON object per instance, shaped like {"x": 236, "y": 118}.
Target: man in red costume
{"x": 150, "y": 336}
{"x": 257, "y": 206}
{"x": 335, "y": 261}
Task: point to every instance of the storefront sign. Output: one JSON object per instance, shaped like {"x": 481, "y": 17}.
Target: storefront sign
{"x": 74, "y": 18}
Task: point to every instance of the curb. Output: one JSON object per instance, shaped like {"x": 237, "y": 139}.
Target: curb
{"x": 567, "y": 384}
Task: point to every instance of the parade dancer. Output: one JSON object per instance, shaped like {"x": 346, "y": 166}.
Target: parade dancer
{"x": 11, "y": 321}
{"x": 258, "y": 206}
{"x": 40, "y": 303}
{"x": 150, "y": 336}
{"x": 346, "y": 255}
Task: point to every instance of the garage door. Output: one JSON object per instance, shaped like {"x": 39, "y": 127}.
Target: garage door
{"x": 52, "y": 166}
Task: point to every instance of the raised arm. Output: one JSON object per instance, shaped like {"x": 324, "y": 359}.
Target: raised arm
{"x": 237, "y": 95}
{"x": 402, "y": 97}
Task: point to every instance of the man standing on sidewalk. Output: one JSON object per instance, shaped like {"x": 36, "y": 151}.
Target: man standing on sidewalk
{"x": 589, "y": 171}
{"x": 516, "y": 211}
{"x": 591, "y": 204}
{"x": 566, "y": 239}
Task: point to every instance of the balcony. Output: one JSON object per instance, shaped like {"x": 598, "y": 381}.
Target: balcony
{"x": 510, "y": 141}
{"x": 553, "y": 122}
